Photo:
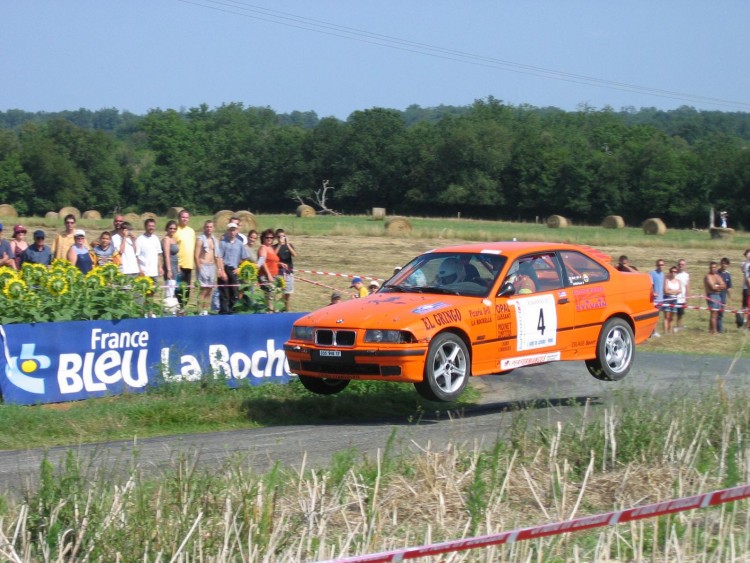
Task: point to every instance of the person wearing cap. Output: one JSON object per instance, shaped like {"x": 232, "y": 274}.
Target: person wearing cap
{"x": 231, "y": 254}
{"x": 335, "y": 298}
{"x": 361, "y": 290}
{"x": 63, "y": 241}
{"x": 79, "y": 254}
{"x": 17, "y": 245}
{"x": 206, "y": 247}
{"x": 37, "y": 253}
{"x": 373, "y": 287}
{"x": 6, "y": 256}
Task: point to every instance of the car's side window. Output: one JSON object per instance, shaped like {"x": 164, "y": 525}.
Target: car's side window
{"x": 535, "y": 273}
{"x": 581, "y": 270}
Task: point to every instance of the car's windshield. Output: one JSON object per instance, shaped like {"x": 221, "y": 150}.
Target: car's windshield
{"x": 459, "y": 273}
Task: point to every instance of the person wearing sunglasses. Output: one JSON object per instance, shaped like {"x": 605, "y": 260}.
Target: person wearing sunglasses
{"x": 63, "y": 241}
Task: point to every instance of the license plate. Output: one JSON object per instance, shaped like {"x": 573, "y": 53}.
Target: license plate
{"x": 330, "y": 353}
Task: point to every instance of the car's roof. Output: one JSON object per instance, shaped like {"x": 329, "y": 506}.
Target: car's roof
{"x": 514, "y": 248}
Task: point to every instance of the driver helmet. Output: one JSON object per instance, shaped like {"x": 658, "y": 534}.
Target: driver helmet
{"x": 451, "y": 271}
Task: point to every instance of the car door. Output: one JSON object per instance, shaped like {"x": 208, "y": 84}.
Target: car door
{"x": 535, "y": 322}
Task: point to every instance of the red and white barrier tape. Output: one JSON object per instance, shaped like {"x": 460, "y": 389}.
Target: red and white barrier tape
{"x": 576, "y": 525}
{"x": 337, "y": 275}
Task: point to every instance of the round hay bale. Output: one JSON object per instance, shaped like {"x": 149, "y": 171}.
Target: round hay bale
{"x": 173, "y": 212}
{"x": 7, "y": 210}
{"x": 247, "y": 221}
{"x": 221, "y": 219}
{"x": 70, "y": 211}
{"x": 378, "y": 213}
{"x": 721, "y": 233}
{"x": 654, "y": 226}
{"x": 134, "y": 219}
{"x": 91, "y": 214}
{"x": 149, "y": 215}
{"x": 396, "y": 225}
{"x": 51, "y": 215}
{"x": 613, "y": 222}
{"x": 557, "y": 222}
{"x": 305, "y": 211}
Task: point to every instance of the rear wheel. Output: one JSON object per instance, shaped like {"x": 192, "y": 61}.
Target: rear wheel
{"x": 323, "y": 386}
{"x": 615, "y": 351}
{"x": 446, "y": 370}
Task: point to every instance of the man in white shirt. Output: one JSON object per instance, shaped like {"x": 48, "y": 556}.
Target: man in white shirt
{"x": 149, "y": 253}
{"x": 684, "y": 278}
{"x": 124, "y": 243}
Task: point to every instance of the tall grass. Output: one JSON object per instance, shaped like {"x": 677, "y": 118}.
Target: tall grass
{"x": 637, "y": 450}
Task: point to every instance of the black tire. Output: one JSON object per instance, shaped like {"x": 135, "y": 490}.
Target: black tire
{"x": 615, "y": 351}
{"x": 447, "y": 369}
{"x": 323, "y": 386}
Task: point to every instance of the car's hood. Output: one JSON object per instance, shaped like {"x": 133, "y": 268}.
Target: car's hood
{"x": 385, "y": 310}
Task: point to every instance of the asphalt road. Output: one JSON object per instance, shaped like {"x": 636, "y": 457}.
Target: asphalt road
{"x": 550, "y": 390}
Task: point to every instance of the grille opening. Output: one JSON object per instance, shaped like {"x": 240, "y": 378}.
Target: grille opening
{"x": 328, "y": 337}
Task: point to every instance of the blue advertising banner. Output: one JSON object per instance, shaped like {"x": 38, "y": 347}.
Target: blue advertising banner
{"x": 58, "y": 362}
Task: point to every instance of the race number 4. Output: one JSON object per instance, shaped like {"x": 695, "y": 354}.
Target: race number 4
{"x": 536, "y": 322}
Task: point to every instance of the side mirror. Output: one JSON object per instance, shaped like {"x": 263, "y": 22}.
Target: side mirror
{"x": 506, "y": 290}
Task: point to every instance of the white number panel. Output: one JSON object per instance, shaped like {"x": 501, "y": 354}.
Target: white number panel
{"x": 536, "y": 322}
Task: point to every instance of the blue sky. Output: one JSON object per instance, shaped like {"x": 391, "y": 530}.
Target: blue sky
{"x": 336, "y": 57}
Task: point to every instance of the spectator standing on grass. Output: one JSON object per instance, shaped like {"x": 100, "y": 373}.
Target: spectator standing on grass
{"x": 124, "y": 243}
{"x": 149, "y": 252}
{"x": 746, "y": 287}
{"x": 205, "y": 259}
{"x": 169, "y": 250}
{"x": 37, "y": 253}
{"x": 623, "y": 265}
{"x": 240, "y": 237}
{"x": 657, "y": 288}
{"x": 684, "y": 278}
{"x": 232, "y": 253}
{"x": 713, "y": 284}
{"x": 104, "y": 251}
{"x": 79, "y": 254}
{"x": 63, "y": 241}
{"x": 17, "y": 245}
{"x": 269, "y": 265}
{"x": 286, "y": 253}
{"x": 6, "y": 255}
{"x": 669, "y": 299}
{"x": 725, "y": 295}
{"x": 335, "y": 298}
{"x": 252, "y": 238}
{"x": 185, "y": 237}
{"x": 359, "y": 288}
{"x": 373, "y": 287}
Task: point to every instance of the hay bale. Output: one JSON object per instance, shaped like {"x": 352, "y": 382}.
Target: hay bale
{"x": 70, "y": 211}
{"x": 247, "y": 221}
{"x": 221, "y": 219}
{"x": 7, "y": 210}
{"x": 613, "y": 222}
{"x": 396, "y": 225}
{"x": 149, "y": 215}
{"x": 134, "y": 219}
{"x": 174, "y": 212}
{"x": 557, "y": 222}
{"x": 51, "y": 215}
{"x": 92, "y": 214}
{"x": 305, "y": 211}
{"x": 378, "y": 213}
{"x": 721, "y": 233}
{"x": 654, "y": 226}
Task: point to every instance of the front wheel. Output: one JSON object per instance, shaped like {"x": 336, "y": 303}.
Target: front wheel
{"x": 447, "y": 369}
{"x": 323, "y": 386}
{"x": 615, "y": 351}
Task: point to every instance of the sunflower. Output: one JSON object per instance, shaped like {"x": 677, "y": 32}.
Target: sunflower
{"x": 248, "y": 272}
{"x": 7, "y": 274}
{"x": 143, "y": 285}
{"x": 58, "y": 285}
{"x": 15, "y": 288}
{"x": 95, "y": 279}
{"x": 34, "y": 274}
{"x": 61, "y": 263}
{"x": 280, "y": 282}
{"x": 108, "y": 271}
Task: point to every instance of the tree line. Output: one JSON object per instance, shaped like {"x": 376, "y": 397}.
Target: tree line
{"x": 487, "y": 160}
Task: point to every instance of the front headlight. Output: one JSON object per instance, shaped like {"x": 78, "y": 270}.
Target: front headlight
{"x": 390, "y": 336}
{"x": 302, "y": 333}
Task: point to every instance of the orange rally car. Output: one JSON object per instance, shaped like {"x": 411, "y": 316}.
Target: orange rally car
{"x": 478, "y": 309}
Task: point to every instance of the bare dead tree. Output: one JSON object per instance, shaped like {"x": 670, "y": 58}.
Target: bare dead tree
{"x": 319, "y": 199}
